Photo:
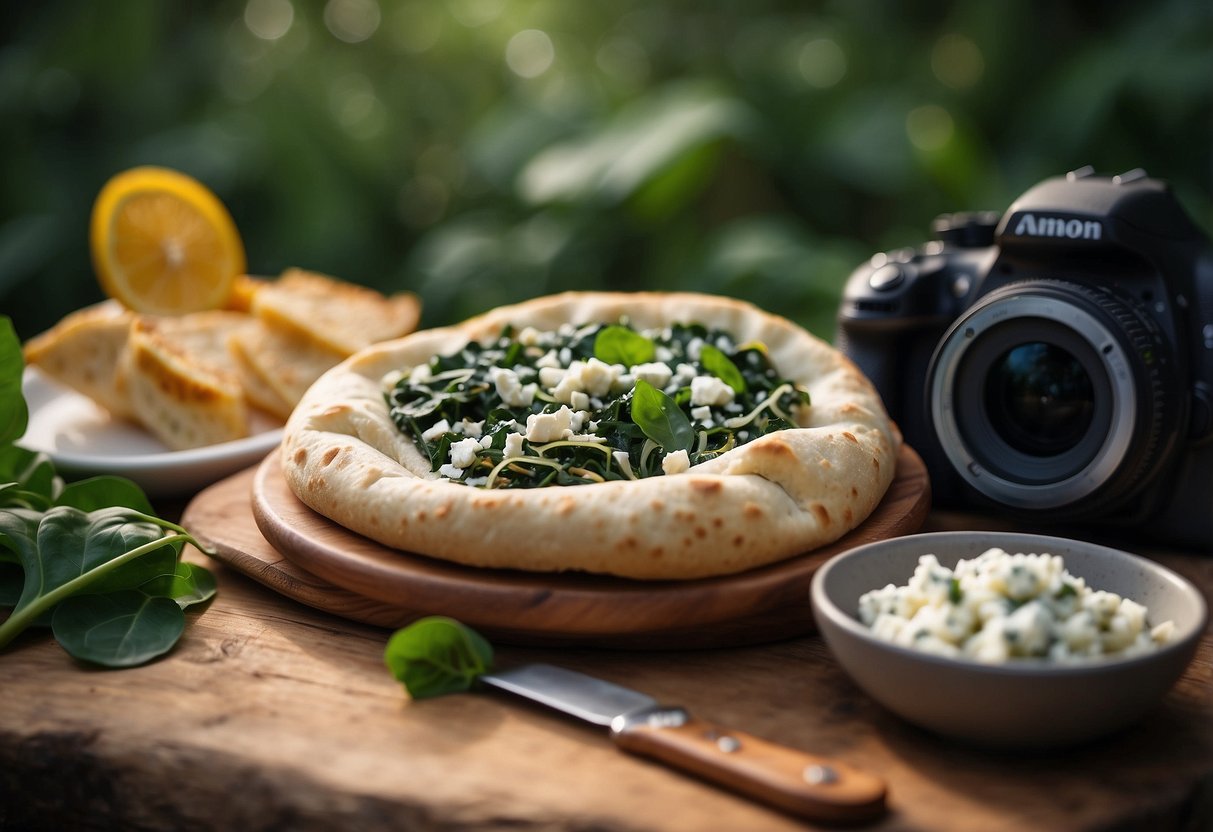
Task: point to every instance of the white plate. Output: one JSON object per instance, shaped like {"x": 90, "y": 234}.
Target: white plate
{"x": 83, "y": 440}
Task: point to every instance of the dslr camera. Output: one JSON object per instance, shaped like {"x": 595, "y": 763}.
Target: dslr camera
{"x": 1054, "y": 362}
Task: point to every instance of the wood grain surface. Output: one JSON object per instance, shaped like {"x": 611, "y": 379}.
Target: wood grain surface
{"x": 272, "y": 716}
{"x": 307, "y": 557}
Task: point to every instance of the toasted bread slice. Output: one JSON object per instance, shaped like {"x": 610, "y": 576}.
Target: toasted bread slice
{"x": 284, "y": 361}
{"x": 208, "y": 338}
{"x": 185, "y": 402}
{"x": 341, "y": 317}
{"x": 82, "y": 352}
{"x": 243, "y": 291}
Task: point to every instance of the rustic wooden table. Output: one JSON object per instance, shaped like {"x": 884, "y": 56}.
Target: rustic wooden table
{"x": 271, "y": 715}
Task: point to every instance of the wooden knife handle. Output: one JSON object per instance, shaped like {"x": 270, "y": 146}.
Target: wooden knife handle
{"x": 802, "y": 784}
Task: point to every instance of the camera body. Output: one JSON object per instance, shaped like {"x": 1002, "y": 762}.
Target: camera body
{"x": 1054, "y": 362}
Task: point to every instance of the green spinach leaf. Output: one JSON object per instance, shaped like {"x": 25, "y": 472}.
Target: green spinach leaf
{"x": 721, "y": 366}
{"x": 437, "y": 655}
{"x": 65, "y": 551}
{"x": 14, "y": 414}
{"x": 619, "y": 345}
{"x": 118, "y": 629}
{"x": 661, "y": 419}
{"x": 104, "y": 492}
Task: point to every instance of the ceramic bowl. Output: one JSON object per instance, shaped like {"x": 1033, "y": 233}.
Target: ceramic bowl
{"x": 1025, "y": 703}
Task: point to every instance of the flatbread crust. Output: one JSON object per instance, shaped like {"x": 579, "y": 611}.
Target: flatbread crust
{"x": 778, "y": 496}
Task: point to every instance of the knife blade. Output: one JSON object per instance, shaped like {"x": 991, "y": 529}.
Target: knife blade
{"x": 806, "y": 785}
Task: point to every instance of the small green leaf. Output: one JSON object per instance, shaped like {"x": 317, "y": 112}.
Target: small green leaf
{"x": 437, "y": 655}
{"x": 188, "y": 584}
{"x": 37, "y": 485}
{"x": 619, "y": 345}
{"x": 14, "y": 414}
{"x": 955, "y": 593}
{"x": 660, "y": 418}
{"x": 104, "y": 492}
{"x": 721, "y": 366}
{"x": 118, "y": 629}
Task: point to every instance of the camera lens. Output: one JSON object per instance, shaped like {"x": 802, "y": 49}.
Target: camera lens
{"x": 1051, "y": 395}
{"x": 1040, "y": 398}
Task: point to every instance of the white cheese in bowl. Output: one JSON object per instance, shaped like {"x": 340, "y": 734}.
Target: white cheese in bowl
{"x": 999, "y": 607}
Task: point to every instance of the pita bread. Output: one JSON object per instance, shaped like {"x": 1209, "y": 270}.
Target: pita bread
{"x": 778, "y": 496}
{"x": 337, "y": 316}
{"x": 82, "y": 351}
{"x": 184, "y": 402}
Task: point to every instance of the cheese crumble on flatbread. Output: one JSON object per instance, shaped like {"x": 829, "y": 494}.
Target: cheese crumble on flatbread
{"x": 691, "y": 498}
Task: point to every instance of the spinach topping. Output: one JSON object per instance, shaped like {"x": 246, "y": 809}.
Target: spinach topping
{"x": 589, "y": 404}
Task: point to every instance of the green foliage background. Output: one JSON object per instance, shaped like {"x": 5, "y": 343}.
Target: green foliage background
{"x": 485, "y": 151}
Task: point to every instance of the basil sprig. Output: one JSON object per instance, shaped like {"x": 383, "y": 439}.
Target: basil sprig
{"x": 88, "y": 558}
{"x": 437, "y": 655}
{"x": 616, "y": 344}
{"x": 660, "y": 418}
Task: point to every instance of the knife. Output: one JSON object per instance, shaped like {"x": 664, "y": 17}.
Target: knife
{"x": 812, "y": 787}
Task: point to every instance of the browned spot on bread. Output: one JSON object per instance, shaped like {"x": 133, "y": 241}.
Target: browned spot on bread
{"x": 700, "y": 532}
{"x": 442, "y": 510}
{"x": 826, "y": 464}
{"x": 329, "y": 456}
{"x": 566, "y": 506}
{"x": 753, "y": 511}
{"x": 421, "y": 516}
{"x": 334, "y": 410}
{"x": 848, "y": 516}
{"x": 776, "y": 448}
{"x": 657, "y": 505}
{"x": 627, "y": 543}
{"x": 316, "y": 484}
{"x": 738, "y": 540}
{"x": 876, "y": 461}
{"x": 404, "y": 522}
{"x": 300, "y": 456}
{"x": 848, "y": 435}
{"x": 371, "y": 477}
{"x": 854, "y": 492}
{"x": 717, "y": 522}
{"x": 823, "y": 513}
{"x": 489, "y": 504}
{"x": 656, "y": 552}
{"x": 706, "y": 487}
{"x": 684, "y": 516}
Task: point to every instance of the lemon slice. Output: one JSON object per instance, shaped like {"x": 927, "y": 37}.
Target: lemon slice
{"x": 163, "y": 244}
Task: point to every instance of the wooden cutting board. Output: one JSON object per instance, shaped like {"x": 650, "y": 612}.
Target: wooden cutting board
{"x": 257, "y": 525}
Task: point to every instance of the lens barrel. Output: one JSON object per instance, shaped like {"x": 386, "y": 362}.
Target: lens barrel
{"x": 1049, "y": 395}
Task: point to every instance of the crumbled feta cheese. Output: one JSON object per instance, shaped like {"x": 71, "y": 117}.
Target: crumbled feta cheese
{"x": 469, "y": 428}
{"x": 512, "y": 391}
{"x": 548, "y": 427}
{"x": 997, "y": 607}
{"x": 709, "y": 390}
{"x": 548, "y": 360}
{"x": 655, "y": 373}
{"x": 695, "y": 348}
{"x": 450, "y": 471}
{"x": 676, "y": 462}
{"x": 702, "y": 414}
{"x": 529, "y": 336}
{"x": 463, "y": 452}
{"x": 513, "y": 445}
{"x": 579, "y": 400}
{"x": 436, "y": 430}
{"x": 420, "y": 374}
{"x": 549, "y": 377}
